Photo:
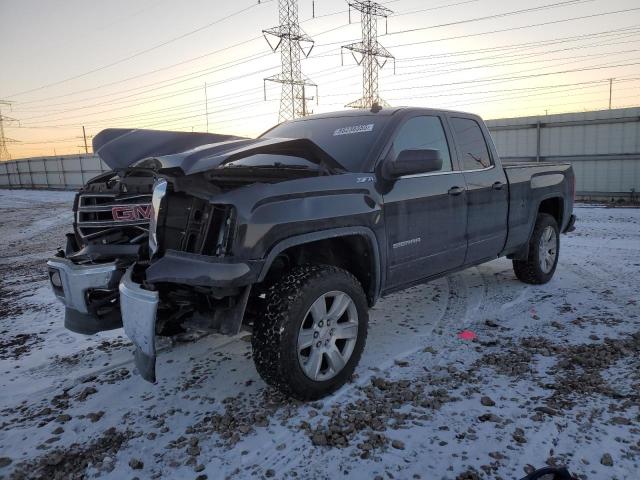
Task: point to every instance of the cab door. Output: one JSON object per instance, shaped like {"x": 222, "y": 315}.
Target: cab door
{"x": 487, "y": 190}
{"x": 425, "y": 214}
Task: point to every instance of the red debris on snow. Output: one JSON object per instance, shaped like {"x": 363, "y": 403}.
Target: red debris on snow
{"x": 467, "y": 335}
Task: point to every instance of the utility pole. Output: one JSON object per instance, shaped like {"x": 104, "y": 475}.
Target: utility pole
{"x": 373, "y": 56}
{"x": 4, "y": 152}
{"x": 84, "y": 135}
{"x": 206, "y": 105}
{"x": 290, "y": 41}
{"x": 610, "y": 91}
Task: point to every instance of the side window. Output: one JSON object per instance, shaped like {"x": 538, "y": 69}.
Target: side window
{"x": 423, "y": 133}
{"x": 471, "y": 144}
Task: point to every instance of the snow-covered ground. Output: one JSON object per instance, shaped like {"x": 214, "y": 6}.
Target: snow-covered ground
{"x": 552, "y": 378}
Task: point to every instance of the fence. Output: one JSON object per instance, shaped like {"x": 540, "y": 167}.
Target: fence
{"x": 603, "y": 147}
{"x": 60, "y": 172}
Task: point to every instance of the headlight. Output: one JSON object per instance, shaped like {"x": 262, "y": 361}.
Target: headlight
{"x": 159, "y": 191}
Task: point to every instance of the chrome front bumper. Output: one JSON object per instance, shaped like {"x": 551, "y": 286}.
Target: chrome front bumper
{"x": 70, "y": 282}
{"x": 138, "y": 307}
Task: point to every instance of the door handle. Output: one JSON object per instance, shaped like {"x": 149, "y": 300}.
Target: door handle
{"x": 497, "y": 186}
{"x": 455, "y": 191}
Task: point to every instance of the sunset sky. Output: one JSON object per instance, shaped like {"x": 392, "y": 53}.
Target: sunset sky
{"x": 65, "y": 64}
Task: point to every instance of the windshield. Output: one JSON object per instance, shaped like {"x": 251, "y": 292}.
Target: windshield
{"x": 348, "y": 139}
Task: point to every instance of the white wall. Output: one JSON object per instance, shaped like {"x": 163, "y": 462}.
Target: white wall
{"x": 603, "y": 146}
{"x": 64, "y": 172}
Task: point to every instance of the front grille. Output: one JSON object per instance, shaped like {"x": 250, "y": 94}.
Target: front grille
{"x": 189, "y": 224}
{"x": 100, "y": 215}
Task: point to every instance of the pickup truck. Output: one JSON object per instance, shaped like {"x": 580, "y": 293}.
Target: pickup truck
{"x": 296, "y": 234}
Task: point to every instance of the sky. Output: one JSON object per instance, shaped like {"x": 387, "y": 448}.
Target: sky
{"x": 65, "y": 64}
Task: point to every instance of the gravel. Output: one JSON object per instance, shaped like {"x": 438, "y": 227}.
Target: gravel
{"x": 607, "y": 460}
{"x": 487, "y": 401}
{"x": 70, "y": 463}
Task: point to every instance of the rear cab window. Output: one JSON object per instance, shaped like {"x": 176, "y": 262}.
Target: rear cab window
{"x": 472, "y": 146}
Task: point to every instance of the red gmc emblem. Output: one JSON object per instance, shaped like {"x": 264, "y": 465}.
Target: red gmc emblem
{"x": 131, "y": 212}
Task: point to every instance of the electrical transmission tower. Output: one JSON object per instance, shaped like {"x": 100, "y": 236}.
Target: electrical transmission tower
{"x": 290, "y": 41}
{"x": 4, "y": 153}
{"x": 373, "y": 56}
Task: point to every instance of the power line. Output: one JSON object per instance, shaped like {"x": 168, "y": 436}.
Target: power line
{"x": 171, "y": 66}
{"x": 521, "y": 55}
{"x": 493, "y": 17}
{"x": 248, "y": 58}
{"x": 142, "y": 52}
{"x": 150, "y": 99}
{"x": 185, "y": 77}
{"x": 448, "y": 85}
{"x": 501, "y": 79}
{"x": 189, "y": 76}
{"x": 438, "y": 7}
{"x": 502, "y": 91}
{"x": 490, "y": 32}
{"x": 620, "y": 32}
{"x": 433, "y": 72}
{"x": 236, "y": 62}
{"x": 501, "y": 97}
{"x": 507, "y": 63}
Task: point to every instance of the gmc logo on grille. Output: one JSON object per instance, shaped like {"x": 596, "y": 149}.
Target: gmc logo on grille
{"x": 131, "y": 212}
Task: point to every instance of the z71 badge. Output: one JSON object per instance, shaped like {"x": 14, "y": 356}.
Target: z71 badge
{"x": 364, "y": 179}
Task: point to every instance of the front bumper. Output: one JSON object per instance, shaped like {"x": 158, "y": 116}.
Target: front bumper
{"x": 72, "y": 283}
{"x": 139, "y": 307}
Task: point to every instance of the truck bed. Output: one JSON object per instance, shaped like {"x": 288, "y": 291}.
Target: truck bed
{"x": 529, "y": 185}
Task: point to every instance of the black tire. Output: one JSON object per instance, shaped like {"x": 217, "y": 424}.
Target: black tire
{"x": 531, "y": 270}
{"x": 275, "y": 334}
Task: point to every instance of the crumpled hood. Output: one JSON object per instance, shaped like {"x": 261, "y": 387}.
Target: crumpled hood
{"x": 121, "y": 147}
{"x": 197, "y": 152}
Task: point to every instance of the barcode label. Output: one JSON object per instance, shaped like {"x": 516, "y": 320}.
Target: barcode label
{"x": 353, "y": 129}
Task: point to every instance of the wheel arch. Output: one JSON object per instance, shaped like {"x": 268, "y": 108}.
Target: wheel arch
{"x": 353, "y": 248}
{"x": 552, "y": 205}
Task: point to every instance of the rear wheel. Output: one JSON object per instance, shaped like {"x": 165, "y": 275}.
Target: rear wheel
{"x": 311, "y": 338}
{"x": 544, "y": 247}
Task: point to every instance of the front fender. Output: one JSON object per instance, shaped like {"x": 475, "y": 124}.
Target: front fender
{"x": 328, "y": 234}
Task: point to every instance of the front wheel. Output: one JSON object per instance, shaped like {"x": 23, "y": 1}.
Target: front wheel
{"x": 311, "y": 337}
{"x": 544, "y": 248}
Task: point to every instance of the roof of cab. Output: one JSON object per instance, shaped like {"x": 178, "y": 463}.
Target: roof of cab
{"x": 359, "y": 112}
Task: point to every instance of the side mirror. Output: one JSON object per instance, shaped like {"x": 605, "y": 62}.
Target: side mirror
{"x": 411, "y": 162}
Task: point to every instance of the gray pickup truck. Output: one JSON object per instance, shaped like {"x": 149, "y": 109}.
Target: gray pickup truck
{"x": 295, "y": 234}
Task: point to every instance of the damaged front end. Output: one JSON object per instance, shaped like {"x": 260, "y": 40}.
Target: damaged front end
{"x": 191, "y": 282}
{"x": 152, "y": 248}
{"x": 111, "y": 227}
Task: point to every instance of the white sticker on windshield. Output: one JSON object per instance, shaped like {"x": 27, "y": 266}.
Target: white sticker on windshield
{"x": 353, "y": 129}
